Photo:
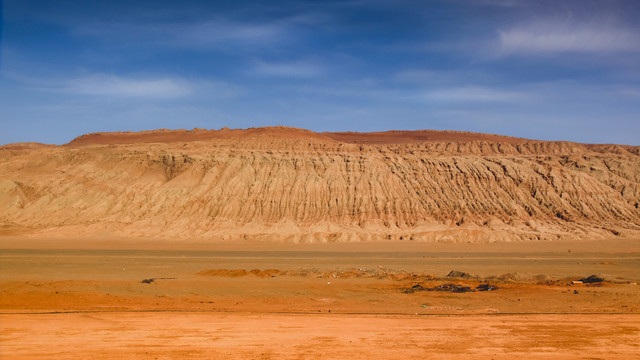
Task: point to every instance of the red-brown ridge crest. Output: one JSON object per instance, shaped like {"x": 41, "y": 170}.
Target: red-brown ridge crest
{"x": 292, "y": 133}
{"x": 182, "y": 135}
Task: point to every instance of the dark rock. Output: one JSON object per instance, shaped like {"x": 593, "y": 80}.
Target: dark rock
{"x": 149, "y": 281}
{"x": 414, "y": 288}
{"x": 486, "y": 287}
{"x": 461, "y": 289}
{"x": 592, "y": 279}
{"x": 455, "y": 288}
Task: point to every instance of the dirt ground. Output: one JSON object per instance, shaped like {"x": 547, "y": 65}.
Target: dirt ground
{"x": 354, "y": 301}
{"x": 108, "y": 335}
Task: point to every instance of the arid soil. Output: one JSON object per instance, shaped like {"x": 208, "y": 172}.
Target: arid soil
{"x": 328, "y": 302}
{"x": 281, "y": 336}
{"x": 296, "y": 186}
{"x": 281, "y": 243}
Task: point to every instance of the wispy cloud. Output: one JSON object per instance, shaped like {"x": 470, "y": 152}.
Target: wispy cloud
{"x": 442, "y": 78}
{"x": 199, "y": 35}
{"x": 296, "y": 69}
{"x": 631, "y": 92}
{"x": 552, "y": 37}
{"x": 420, "y": 76}
{"x": 474, "y": 94}
{"x": 112, "y": 85}
{"x": 121, "y": 86}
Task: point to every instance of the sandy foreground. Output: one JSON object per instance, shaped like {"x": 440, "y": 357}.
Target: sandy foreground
{"x": 332, "y": 302}
{"x": 300, "y": 336}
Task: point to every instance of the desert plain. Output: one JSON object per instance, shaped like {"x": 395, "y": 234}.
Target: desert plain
{"x": 280, "y": 243}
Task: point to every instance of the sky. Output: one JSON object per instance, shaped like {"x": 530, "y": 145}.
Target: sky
{"x": 549, "y": 70}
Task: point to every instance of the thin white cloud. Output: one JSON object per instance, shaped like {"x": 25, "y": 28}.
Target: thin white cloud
{"x": 419, "y": 76}
{"x": 631, "y": 92}
{"x": 551, "y": 37}
{"x": 198, "y": 35}
{"x": 121, "y": 86}
{"x": 118, "y": 86}
{"x": 474, "y": 94}
{"x": 299, "y": 69}
{"x": 215, "y": 32}
{"x": 442, "y": 78}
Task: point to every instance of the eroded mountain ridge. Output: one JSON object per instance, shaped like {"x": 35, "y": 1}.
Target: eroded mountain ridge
{"x": 294, "y": 185}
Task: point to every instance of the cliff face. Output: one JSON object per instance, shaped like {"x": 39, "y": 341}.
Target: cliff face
{"x": 282, "y": 184}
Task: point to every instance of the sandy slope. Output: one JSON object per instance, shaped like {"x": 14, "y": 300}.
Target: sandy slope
{"x": 292, "y": 185}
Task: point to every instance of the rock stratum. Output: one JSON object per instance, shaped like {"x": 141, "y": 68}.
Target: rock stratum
{"x": 292, "y": 185}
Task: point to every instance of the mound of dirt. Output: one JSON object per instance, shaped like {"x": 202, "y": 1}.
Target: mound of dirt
{"x": 315, "y": 273}
{"x": 291, "y": 185}
{"x": 458, "y": 274}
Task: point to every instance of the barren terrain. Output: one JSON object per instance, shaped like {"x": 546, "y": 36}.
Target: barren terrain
{"x": 280, "y": 243}
{"x": 296, "y": 186}
{"x": 304, "y": 301}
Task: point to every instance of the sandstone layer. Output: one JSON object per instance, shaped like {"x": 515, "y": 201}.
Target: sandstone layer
{"x": 293, "y": 185}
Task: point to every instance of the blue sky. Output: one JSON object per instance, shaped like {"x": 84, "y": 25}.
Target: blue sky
{"x": 552, "y": 70}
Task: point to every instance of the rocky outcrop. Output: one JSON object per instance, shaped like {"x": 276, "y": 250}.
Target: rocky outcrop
{"x": 293, "y": 185}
